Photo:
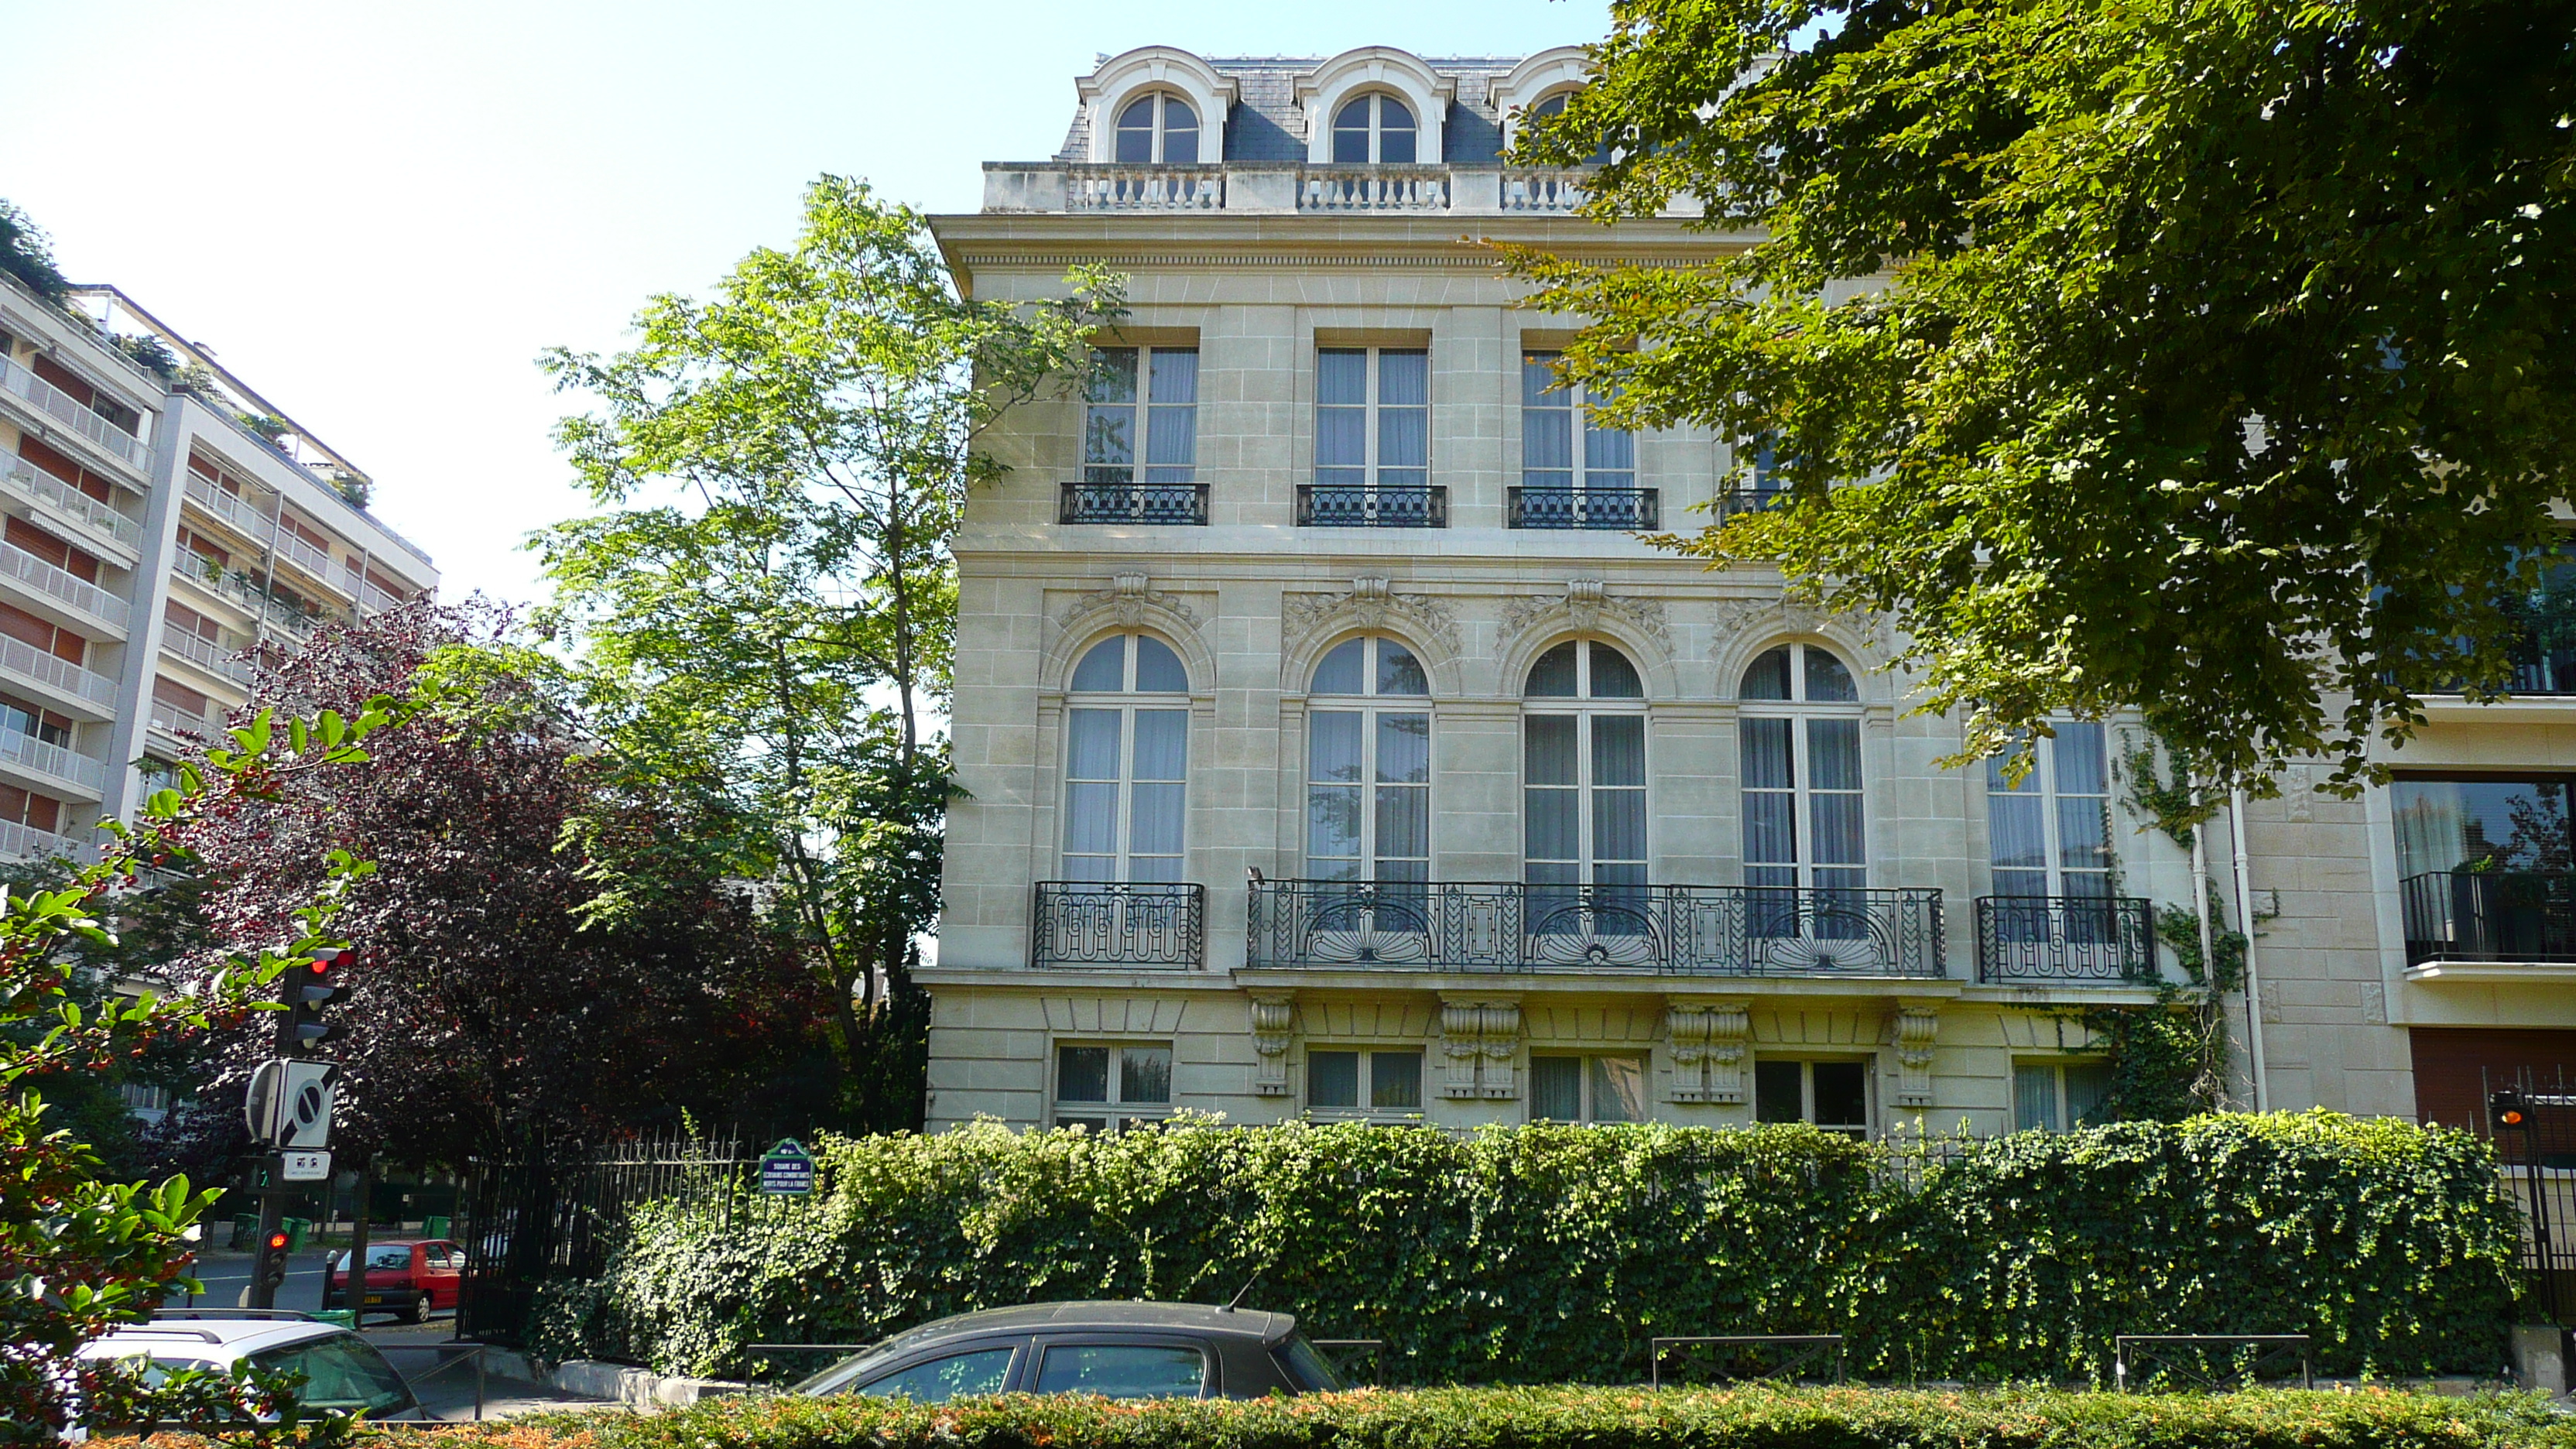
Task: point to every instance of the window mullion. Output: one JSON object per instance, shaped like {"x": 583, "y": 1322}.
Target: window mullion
{"x": 1368, "y": 413}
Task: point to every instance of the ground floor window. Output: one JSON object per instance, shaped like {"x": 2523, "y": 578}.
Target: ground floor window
{"x": 1375, "y": 1081}
{"x": 1111, "y": 1087}
{"x": 1587, "y": 1089}
{"x": 2054, "y": 1096}
{"x": 1832, "y": 1095}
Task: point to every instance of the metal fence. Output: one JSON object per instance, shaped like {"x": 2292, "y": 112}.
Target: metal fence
{"x": 2532, "y": 1121}
{"x": 2054, "y": 939}
{"x": 1615, "y": 508}
{"x": 1087, "y": 502}
{"x": 1331, "y": 505}
{"x": 1122, "y": 923}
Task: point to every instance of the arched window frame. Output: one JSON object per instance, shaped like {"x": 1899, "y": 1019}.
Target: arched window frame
{"x": 1426, "y": 92}
{"x": 1369, "y": 760}
{"x": 1158, "y": 129}
{"x": 1379, "y": 101}
{"x": 1610, "y": 743}
{"x": 1150, "y": 792}
{"x": 1822, "y": 740}
{"x": 1107, "y": 90}
{"x": 1559, "y": 71}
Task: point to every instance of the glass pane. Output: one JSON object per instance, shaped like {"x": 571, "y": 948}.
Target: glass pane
{"x": 1159, "y": 869}
{"x": 1552, "y": 827}
{"x": 1171, "y": 443}
{"x": 1608, "y": 450}
{"x": 1332, "y": 825}
{"x": 1404, "y": 377}
{"x": 1343, "y": 670}
{"x": 1174, "y": 376}
{"x": 1155, "y": 816}
{"x": 1139, "y": 115}
{"x": 1177, "y": 115}
{"x": 1618, "y": 825}
{"x": 1403, "y": 822}
{"x": 1996, "y": 782}
{"x": 1101, "y": 867}
{"x": 1538, "y": 375}
{"x": 1403, "y": 443}
{"x": 1395, "y": 1081}
{"x": 1091, "y": 751}
{"x": 1135, "y": 148}
{"x": 1842, "y": 1094}
{"x": 1341, "y": 376}
{"x": 2083, "y": 835}
{"x": 2014, "y": 824}
{"x": 1835, "y": 829}
{"x": 1341, "y": 437}
{"x": 1082, "y": 1074}
{"x": 1549, "y": 757}
{"x": 1393, "y": 115}
{"x": 1394, "y": 147}
{"x": 1332, "y": 1079}
{"x": 1181, "y": 147}
{"x": 1618, "y": 750}
{"x": 1833, "y": 754}
{"x": 1768, "y": 678}
{"x": 1158, "y": 669}
{"x": 342, "y": 1373}
{"x": 1333, "y": 746}
{"x": 942, "y": 1379}
{"x": 1353, "y": 116}
{"x": 1091, "y": 819}
{"x": 1552, "y": 677}
{"x": 2035, "y": 1099}
{"x": 1777, "y": 1093}
{"x": 1162, "y": 744}
{"x": 2081, "y": 766}
{"x": 1767, "y": 763}
{"x": 1618, "y": 1089}
{"x": 1613, "y": 677}
{"x": 1556, "y": 1089}
{"x": 1144, "y": 1074}
{"x": 1547, "y": 445}
{"x": 1113, "y": 380}
{"x": 2087, "y": 1083}
{"x": 1398, "y": 672}
{"x": 1827, "y": 679}
{"x": 1122, "y": 1370}
{"x": 1404, "y": 750}
{"x": 1104, "y": 669}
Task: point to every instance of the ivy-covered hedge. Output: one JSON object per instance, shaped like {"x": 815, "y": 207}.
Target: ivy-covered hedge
{"x": 1565, "y": 1418}
{"x": 1552, "y": 1253}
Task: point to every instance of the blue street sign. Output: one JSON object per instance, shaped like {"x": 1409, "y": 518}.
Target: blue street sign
{"x": 787, "y": 1169}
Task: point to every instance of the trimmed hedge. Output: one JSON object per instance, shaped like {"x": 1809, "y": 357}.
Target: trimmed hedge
{"x": 1552, "y": 1253}
{"x": 1565, "y": 1418}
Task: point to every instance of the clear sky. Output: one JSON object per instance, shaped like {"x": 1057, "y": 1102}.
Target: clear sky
{"x": 378, "y": 214}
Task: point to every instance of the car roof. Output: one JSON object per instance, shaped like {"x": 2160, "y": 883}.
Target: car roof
{"x": 208, "y": 1337}
{"x": 1205, "y": 1318}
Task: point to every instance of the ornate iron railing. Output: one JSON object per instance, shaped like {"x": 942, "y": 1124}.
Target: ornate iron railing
{"x": 1617, "y": 508}
{"x": 1751, "y": 500}
{"x": 2046, "y": 939}
{"x": 1133, "y": 503}
{"x": 1665, "y": 929}
{"x": 1118, "y": 923}
{"x": 2490, "y": 915}
{"x": 1332, "y": 505}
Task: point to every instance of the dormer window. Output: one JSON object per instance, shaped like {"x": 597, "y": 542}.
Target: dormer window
{"x": 1374, "y": 127}
{"x": 1158, "y": 127}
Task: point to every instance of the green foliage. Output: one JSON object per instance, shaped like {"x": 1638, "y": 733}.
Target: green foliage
{"x": 2177, "y": 807}
{"x": 2202, "y": 357}
{"x": 1553, "y": 1253}
{"x": 27, "y": 254}
{"x": 2167, "y": 1061}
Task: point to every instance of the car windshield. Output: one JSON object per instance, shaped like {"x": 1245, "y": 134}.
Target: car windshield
{"x": 1310, "y": 1366}
{"x": 342, "y": 1373}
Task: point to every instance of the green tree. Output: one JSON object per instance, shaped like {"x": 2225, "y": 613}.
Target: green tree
{"x": 2206, "y": 357}
{"x": 763, "y": 614}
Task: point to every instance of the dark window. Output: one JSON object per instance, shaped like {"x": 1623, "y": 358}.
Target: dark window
{"x": 1123, "y": 1370}
{"x": 984, "y": 1371}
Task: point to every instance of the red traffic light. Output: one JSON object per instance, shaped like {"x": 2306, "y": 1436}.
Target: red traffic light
{"x": 277, "y": 1242}
{"x": 2510, "y": 1117}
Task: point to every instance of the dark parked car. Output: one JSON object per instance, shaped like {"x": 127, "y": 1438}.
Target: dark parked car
{"x": 1119, "y": 1350}
{"x": 409, "y": 1279}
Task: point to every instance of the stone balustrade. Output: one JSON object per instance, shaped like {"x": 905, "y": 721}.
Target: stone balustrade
{"x": 1287, "y": 188}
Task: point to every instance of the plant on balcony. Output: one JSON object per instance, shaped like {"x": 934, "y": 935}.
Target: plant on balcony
{"x": 2207, "y": 358}
{"x": 763, "y": 609}
{"x": 27, "y": 254}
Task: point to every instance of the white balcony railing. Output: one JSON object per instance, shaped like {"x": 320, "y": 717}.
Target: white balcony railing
{"x": 1542, "y": 193}
{"x": 232, "y": 508}
{"x": 1144, "y": 188}
{"x": 170, "y": 719}
{"x": 29, "y": 481}
{"x": 314, "y": 561}
{"x": 59, "y": 405}
{"x": 207, "y": 654}
{"x": 28, "y": 843}
{"x": 19, "y": 657}
{"x": 377, "y": 600}
{"x": 1374, "y": 188}
{"x": 62, "y": 586}
{"x": 51, "y": 759}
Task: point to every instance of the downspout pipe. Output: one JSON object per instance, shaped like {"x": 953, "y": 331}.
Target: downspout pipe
{"x": 2253, "y": 981}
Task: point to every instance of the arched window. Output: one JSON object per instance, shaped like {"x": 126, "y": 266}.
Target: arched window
{"x": 1799, "y": 735}
{"x": 1374, "y": 127}
{"x": 1583, "y": 786}
{"x": 1368, "y": 764}
{"x": 1555, "y": 106}
{"x": 1126, "y": 762}
{"x": 1161, "y": 127}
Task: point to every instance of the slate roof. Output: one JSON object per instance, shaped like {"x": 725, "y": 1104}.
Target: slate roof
{"x": 1266, "y": 125}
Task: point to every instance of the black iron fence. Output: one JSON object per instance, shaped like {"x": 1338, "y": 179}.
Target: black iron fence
{"x": 1329, "y": 505}
{"x": 2044, "y": 940}
{"x": 2532, "y": 1122}
{"x": 2490, "y": 915}
{"x": 1133, "y": 503}
{"x": 1118, "y": 923}
{"x": 1614, "y": 508}
{"x": 1668, "y": 929}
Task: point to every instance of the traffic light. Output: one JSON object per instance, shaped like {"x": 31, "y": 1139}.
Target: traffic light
{"x": 269, "y": 1273}
{"x": 311, "y": 986}
{"x": 2508, "y": 1109}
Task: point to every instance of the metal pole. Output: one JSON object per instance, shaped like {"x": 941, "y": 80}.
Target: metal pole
{"x": 2245, "y": 922}
{"x": 354, "y": 1282}
{"x": 272, "y": 1216}
{"x": 478, "y": 1383}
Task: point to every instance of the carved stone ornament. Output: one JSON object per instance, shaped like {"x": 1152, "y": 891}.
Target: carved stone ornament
{"x": 1479, "y": 1037}
{"x": 1708, "y": 1041}
{"x": 1584, "y": 606}
{"x": 1372, "y": 603}
{"x": 1128, "y": 601}
{"x": 1917, "y": 1024}
{"x": 1735, "y": 618}
{"x": 1274, "y": 1020}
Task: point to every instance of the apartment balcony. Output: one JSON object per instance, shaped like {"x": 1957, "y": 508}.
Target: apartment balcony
{"x": 1275, "y": 188}
{"x": 1124, "y": 925}
{"x": 1627, "y": 510}
{"x": 1328, "y": 505}
{"x": 2065, "y": 940}
{"x": 61, "y": 500}
{"x": 26, "y": 842}
{"x": 315, "y": 564}
{"x": 87, "y": 600}
{"x": 2489, "y": 917}
{"x": 25, "y": 661}
{"x": 174, "y": 721}
{"x": 1669, "y": 930}
{"x": 1181, "y": 503}
{"x": 53, "y": 761}
{"x": 246, "y": 518}
{"x": 216, "y": 659}
{"x": 376, "y": 600}
{"x": 59, "y": 406}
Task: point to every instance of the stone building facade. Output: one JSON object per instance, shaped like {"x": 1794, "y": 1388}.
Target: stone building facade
{"x": 1333, "y": 746}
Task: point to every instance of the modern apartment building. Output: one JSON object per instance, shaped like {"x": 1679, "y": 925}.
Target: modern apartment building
{"x": 162, "y": 525}
{"x": 1333, "y": 745}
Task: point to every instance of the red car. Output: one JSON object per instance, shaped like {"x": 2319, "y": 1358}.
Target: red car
{"x": 410, "y": 1279}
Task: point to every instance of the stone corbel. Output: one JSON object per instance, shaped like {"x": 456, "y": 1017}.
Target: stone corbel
{"x": 1917, "y": 1025}
{"x": 1708, "y": 1040}
{"x": 1479, "y": 1036}
{"x": 1274, "y": 1020}
{"x": 1496, "y": 1079}
{"x": 1461, "y": 1030}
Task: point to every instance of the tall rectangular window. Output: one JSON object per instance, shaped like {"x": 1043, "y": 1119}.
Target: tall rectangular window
{"x": 1373, "y": 419}
{"x": 1812, "y": 761}
{"x": 1142, "y": 405}
{"x": 1125, "y": 793}
{"x": 2051, "y": 833}
{"x": 1562, "y": 448}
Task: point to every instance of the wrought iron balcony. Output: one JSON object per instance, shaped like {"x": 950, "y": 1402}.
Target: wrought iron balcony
{"x": 1675, "y": 930}
{"x": 1118, "y": 923}
{"x": 2047, "y": 940}
{"x": 2526, "y": 917}
{"x": 1332, "y": 505}
{"x": 1625, "y": 509}
{"x": 1134, "y": 503}
{"x": 1751, "y": 500}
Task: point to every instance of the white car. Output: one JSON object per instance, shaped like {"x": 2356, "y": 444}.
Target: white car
{"x": 343, "y": 1373}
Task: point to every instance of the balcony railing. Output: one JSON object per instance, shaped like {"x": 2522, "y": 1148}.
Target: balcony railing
{"x": 46, "y": 758}
{"x": 1374, "y": 188}
{"x": 170, "y": 719}
{"x": 1293, "y": 188}
{"x": 1116, "y": 923}
{"x": 1133, "y": 503}
{"x": 2045, "y": 940}
{"x": 1144, "y": 188}
{"x": 376, "y": 600}
{"x": 62, "y": 586}
{"x": 1750, "y": 500}
{"x": 314, "y": 561}
{"x": 29, "y": 481}
{"x": 26, "y": 842}
{"x": 1331, "y": 505}
{"x": 59, "y": 405}
{"x": 2524, "y": 917}
{"x": 25, "y": 660}
{"x": 207, "y": 654}
{"x": 1543, "y": 193}
{"x": 232, "y": 508}
{"x": 1626, "y": 509}
{"x": 1661, "y": 929}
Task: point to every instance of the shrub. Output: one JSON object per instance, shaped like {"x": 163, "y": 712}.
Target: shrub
{"x": 1554, "y": 1253}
